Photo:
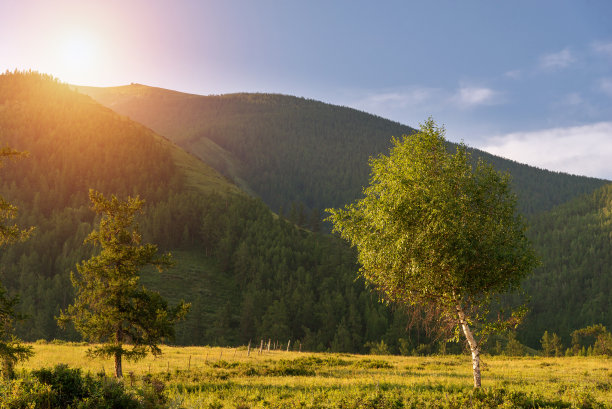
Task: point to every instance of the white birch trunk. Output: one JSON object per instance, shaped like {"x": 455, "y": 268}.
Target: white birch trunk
{"x": 474, "y": 347}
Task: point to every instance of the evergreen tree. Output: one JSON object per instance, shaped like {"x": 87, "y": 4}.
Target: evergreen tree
{"x": 547, "y": 346}
{"x": 555, "y": 343}
{"x": 11, "y": 348}
{"x": 110, "y": 306}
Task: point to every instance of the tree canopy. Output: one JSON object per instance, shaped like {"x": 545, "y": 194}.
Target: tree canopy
{"x": 438, "y": 234}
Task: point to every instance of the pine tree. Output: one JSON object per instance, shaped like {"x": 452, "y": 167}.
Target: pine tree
{"x": 110, "y": 306}
{"x": 547, "y": 347}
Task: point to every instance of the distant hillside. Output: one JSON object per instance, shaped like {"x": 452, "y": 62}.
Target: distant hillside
{"x": 574, "y": 286}
{"x": 292, "y": 150}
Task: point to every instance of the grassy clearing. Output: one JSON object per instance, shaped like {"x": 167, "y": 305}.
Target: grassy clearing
{"x": 205, "y": 377}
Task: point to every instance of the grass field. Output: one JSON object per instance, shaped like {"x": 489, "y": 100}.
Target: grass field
{"x": 204, "y": 377}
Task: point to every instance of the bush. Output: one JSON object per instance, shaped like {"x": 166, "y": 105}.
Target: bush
{"x": 62, "y": 387}
{"x": 378, "y": 348}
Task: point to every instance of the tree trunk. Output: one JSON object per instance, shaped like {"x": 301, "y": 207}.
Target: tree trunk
{"x": 118, "y": 354}
{"x": 474, "y": 347}
{"x": 8, "y": 371}
{"x": 118, "y": 369}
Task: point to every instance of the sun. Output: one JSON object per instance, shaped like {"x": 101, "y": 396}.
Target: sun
{"x": 77, "y": 58}
{"x": 77, "y": 52}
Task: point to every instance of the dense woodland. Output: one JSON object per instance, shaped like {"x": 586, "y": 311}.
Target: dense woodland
{"x": 573, "y": 287}
{"x": 251, "y": 274}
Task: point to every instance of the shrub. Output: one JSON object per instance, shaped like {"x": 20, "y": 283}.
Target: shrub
{"x": 63, "y": 387}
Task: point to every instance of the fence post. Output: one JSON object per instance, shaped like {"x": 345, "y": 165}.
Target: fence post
{"x": 288, "y": 343}
{"x": 249, "y": 348}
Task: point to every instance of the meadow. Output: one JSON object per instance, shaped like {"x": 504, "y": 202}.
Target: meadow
{"x": 209, "y": 377}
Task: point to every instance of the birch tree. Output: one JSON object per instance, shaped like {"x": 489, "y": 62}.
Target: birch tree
{"x": 439, "y": 235}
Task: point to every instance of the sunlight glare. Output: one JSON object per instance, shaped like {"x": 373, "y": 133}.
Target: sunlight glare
{"x": 78, "y": 58}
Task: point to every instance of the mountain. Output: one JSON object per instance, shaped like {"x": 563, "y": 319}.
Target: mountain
{"x": 248, "y": 274}
{"x": 298, "y": 152}
{"x": 573, "y": 287}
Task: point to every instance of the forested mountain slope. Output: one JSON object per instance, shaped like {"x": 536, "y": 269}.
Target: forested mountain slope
{"x": 573, "y": 288}
{"x": 292, "y": 150}
{"x": 248, "y": 274}
{"x": 75, "y": 144}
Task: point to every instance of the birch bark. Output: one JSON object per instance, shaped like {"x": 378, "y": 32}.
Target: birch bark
{"x": 474, "y": 347}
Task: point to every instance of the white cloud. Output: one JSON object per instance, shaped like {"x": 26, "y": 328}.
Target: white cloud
{"x": 572, "y": 99}
{"x": 581, "y": 150}
{"x": 558, "y": 60}
{"x": 514, "y": 74}
{"x": 472, "y": 96}
{"x": 605, "y": 85}
{"x": 603, "y": 48}
{"x": 407, "y": 98}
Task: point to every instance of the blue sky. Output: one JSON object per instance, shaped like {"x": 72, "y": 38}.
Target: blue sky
{"x": 529, "y": 80}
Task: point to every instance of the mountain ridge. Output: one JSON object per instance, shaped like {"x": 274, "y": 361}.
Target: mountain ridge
{"x": 296, "y": 142}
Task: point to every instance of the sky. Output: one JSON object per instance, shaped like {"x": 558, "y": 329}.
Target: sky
{"x": 527, "y": 80}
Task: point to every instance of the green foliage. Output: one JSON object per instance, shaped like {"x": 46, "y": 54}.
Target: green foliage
{"x": 111, "y": 306}
{"x": 513, "y": 346}
{"x": 64, "y": 388}
{"x": 434, "y": 233}
{"x": 551, "y": 344}
{"x": 596, "y": 338}
{"x": 570, "y": 290}
{"x": 378, "y": 348}
{"x": 11, "y": 349}
{"x": 10, "y": 233}
{"x": 73, "y": 144}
